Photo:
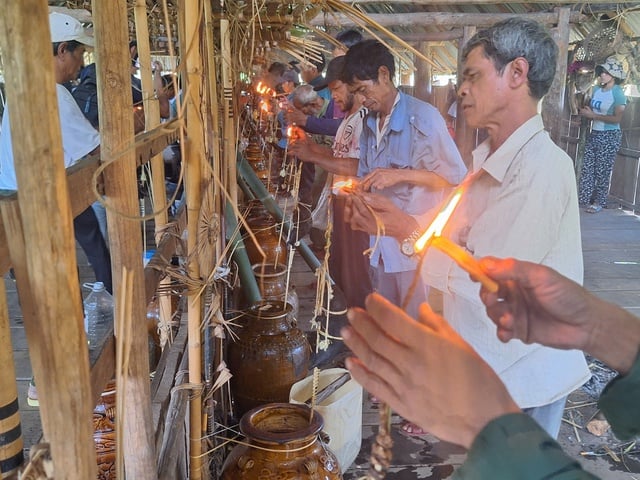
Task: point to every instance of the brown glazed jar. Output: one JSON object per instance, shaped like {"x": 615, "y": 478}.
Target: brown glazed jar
{"x": 284, "y": 444}
{"x": 104, "y": 433}
{"x": 264, "y": 229}
{"x": 272, "y": 282}
{"x": 269, "y": 355}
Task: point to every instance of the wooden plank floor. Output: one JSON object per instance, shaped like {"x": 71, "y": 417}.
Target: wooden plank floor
{"x": 611, "y": 247}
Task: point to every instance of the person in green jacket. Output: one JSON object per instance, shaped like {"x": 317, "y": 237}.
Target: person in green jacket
{"x": 400, "y": 361}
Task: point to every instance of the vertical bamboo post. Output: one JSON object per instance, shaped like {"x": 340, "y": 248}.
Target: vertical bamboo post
{"x": 152, "y": 119}
{"x": 194, "y": 150}
{"x": 553, "y": 102}
{"x": 422, "y": 82}
{"x": 57, "y": 344}
{"x": 229, "y": 127}
{"x": 212, "y": 82}
{"x": 151, "y": 109}
{"x": 11, "y": 443}
{"x": 116, "y": 122}
{"x": 465, "y": 135}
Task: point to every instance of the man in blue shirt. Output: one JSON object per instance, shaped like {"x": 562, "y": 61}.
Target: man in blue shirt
{"x": 407, "y": 157}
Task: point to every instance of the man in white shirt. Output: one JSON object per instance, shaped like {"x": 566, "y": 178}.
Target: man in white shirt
{"x": 79, "y": 138}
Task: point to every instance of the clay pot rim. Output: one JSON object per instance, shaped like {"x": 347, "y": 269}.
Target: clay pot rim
{"x": 281, "y": 309}
{"x": 248, "y": 428}
{"x": 265, "y": 270}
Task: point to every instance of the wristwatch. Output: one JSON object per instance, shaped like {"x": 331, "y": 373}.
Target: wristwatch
{"x": 407, "y": 246}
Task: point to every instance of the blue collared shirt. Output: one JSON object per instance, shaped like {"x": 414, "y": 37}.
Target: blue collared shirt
{"x": 416, "y": 138}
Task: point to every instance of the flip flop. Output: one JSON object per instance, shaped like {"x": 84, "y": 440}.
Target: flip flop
{"x": 593, "y": 208}
{"x": 412, "y": 429}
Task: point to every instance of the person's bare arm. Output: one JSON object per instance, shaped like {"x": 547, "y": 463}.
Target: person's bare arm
{"x": 618, "y": 112}
{"x": 387, "y": 177}
{"x": 308, "y": 151}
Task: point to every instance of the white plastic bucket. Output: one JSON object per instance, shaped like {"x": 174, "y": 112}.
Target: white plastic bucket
{"x": 341, "y": 411}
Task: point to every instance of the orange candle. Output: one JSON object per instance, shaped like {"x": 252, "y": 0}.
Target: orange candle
{"x": 465, "y": 261}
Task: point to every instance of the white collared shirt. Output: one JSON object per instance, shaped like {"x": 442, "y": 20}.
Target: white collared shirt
{"x": 79, "y": 138}
{"x": 525, "y": 206}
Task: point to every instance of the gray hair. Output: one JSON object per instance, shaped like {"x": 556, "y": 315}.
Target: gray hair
{"x": 304, "y": 95}
{"x": 516, "y": 37}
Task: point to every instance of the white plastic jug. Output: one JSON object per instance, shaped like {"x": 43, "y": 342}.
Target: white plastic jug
{"x": 341, "y": 411}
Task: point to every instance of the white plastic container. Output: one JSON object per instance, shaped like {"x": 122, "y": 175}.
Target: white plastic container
{"x": 341, "y": 411}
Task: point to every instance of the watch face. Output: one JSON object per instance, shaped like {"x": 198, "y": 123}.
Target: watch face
{"x": 407, "y": 248}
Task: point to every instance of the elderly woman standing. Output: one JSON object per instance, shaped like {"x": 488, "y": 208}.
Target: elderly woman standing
{"x": 606, "y": 110}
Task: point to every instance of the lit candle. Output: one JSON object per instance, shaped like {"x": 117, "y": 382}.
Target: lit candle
{"x": 438, "y": 224}
{"x": 345, "y": 185}
{"x": 465, "y": 261}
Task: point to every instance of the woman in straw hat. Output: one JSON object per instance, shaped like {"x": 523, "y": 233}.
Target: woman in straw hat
{"x": 606, "y": 110}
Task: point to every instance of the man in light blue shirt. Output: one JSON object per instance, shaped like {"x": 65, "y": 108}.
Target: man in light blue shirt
{"x": 406, "y": 156}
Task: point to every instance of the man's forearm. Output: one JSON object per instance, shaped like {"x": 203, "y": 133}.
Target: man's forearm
{"x": 337, "y": 165}
{"x": 617, "y": 351}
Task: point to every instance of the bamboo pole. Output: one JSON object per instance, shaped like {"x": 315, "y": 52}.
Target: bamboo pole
{"x": 151, "y": 109}
{"x": 553, "y": 102}
{"x": 423, "y": 86}
{"x": 229, "y": 127}
{"x": 152, "y": 120}
{"x": 45, "y": 252}
{"x": 212, "y": 82}
{"x": 441, "y": 19}
{"x": 194, "y": 150}
{"x": 11, "y": 443}
{"x": 117, "y": 143}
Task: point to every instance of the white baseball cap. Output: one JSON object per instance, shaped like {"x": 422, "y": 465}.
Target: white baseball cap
{"x": 65, "y": 28}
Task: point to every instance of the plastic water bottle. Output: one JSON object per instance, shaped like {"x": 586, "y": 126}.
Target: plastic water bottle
{"x": 98, "y": 313}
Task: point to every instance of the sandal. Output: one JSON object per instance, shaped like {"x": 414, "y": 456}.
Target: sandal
{"x": 412, "y": 429}
{"x": 593, "y": 208}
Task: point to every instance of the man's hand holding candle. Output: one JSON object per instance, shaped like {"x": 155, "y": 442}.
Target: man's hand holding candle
{"x": 360, "y": 209}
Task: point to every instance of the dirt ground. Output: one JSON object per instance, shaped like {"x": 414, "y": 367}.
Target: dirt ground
{"x": 603, "y": 455}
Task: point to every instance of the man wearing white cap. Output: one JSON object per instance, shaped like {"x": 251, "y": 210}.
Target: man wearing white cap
{"x": 606, "y": 110}
{"x": 79, "y": 138}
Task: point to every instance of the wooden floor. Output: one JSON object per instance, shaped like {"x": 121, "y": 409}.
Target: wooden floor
{"x": 611, "y": 247}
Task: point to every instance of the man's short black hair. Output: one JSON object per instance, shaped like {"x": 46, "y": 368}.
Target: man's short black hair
{"x": 349, "y": 37}
{"x": 71, "y": 46}
{"x": 364, "y": 59}
{"x": 277, "y": 69}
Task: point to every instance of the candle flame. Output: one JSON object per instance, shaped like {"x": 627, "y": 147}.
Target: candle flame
{"x": 438, "y": 224}
{"x": 346, "y": 185}
{"x": 290, "y": 132}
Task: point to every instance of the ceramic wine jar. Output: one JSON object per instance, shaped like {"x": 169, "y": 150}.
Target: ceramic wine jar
{"x": 104, "y": 433}
{"x": 267, "y": 356}
{"x": 284, "y": 443}
{"x": 272, "y": 282}
{"x": 264, "y": 229}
